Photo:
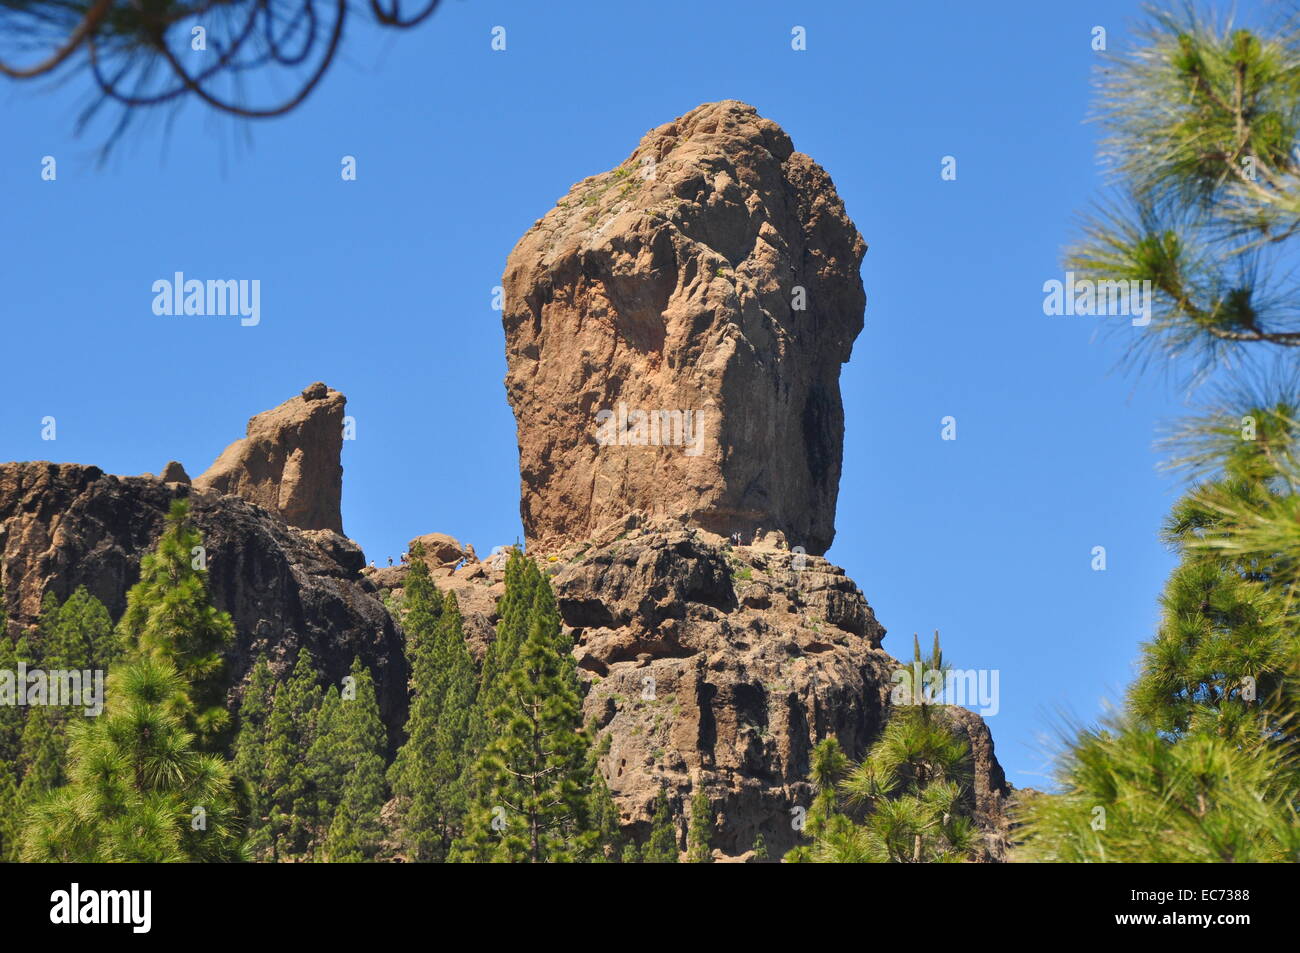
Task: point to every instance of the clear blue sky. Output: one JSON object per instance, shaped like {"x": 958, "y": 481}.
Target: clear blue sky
{"x": 382, "y": 288}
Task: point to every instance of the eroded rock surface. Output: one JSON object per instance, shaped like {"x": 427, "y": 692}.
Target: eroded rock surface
{"x": 712, "y": 276}
{"x": 715, "y": 665}
{"x": 288, "y": 461}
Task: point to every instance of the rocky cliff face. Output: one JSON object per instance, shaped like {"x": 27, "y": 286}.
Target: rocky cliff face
{"x": 289, "y": 461}
{"x": 713, "y": 665}
{"x": 675, "y": 329}
{"x": 66, "y": 525}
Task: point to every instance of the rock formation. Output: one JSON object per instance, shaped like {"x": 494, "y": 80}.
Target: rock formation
{"x": 714, "y": 273}
{"x": 174, "y": 473}
{"x": 67, "y": 525}
{"x": 674, "y": 332}
{"x": 289, "y": 461}
{"x": 721, "y": 666}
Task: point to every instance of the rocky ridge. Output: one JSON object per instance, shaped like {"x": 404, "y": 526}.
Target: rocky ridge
{"x": 68, "y": 525}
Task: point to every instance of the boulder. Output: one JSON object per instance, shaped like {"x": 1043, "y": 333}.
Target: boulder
{"x": 440, "y": 550}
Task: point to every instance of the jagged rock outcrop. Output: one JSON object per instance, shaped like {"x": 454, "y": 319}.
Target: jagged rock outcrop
{"x": 712, "y": 276}
{"x": 174, "y": 473}
{"x": 68, "y": 525}
{"x": 289, "y": 461}
{"x": 721, "y": 666}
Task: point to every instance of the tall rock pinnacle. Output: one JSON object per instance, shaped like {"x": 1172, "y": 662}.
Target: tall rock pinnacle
{"x": 289, "y": 461}
{"x": 674, "y": 333}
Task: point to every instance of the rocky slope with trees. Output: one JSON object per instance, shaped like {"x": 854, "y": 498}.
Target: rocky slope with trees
{"x": 671, "y": 641}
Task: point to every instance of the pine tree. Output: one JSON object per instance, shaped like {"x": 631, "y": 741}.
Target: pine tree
{"x": 823, "y": 821}
{"x": 11, "y": 716}
{"x": 428, "y": 775}
{"x": 75, "y": 636}
{"x": 80, "y": 634}
{"x": 1199, "y": 121}
{"x": 44, "y": 750}
{"x": 292, "y": 821}
{"x": 349, "y": 750}
{"x": 421, "y": 601}
{"x": 10, "y": 815}
{"x": 10, "y": 739}
{"x": 908, "y": 801}
{"x": 1130, "y": 794}
{"x": 522, "y": 579}
{"x": 139, "y": 788}
{"x": 661, "y": 847}
{"x": 532, "y": 780}
{"x": 1201, "y": 764}
{"x": 700, "y": 832}
{"x": 1224, "y": 658}
{"x": 249, "y": 758}
{"x": 139, "y": 791}
{"x": 168, "y": 614}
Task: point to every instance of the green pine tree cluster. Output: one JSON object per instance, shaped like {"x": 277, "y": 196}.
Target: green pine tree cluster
{"x": 496, "y": 763}
{"x": 140, "y": 787}
{"x": 312, "y": 765}
{"x": 75, "y": 635}
{"x": 909, "y": 800}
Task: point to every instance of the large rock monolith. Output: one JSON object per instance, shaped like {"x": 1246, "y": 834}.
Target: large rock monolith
{"x": 674, "y": 334}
